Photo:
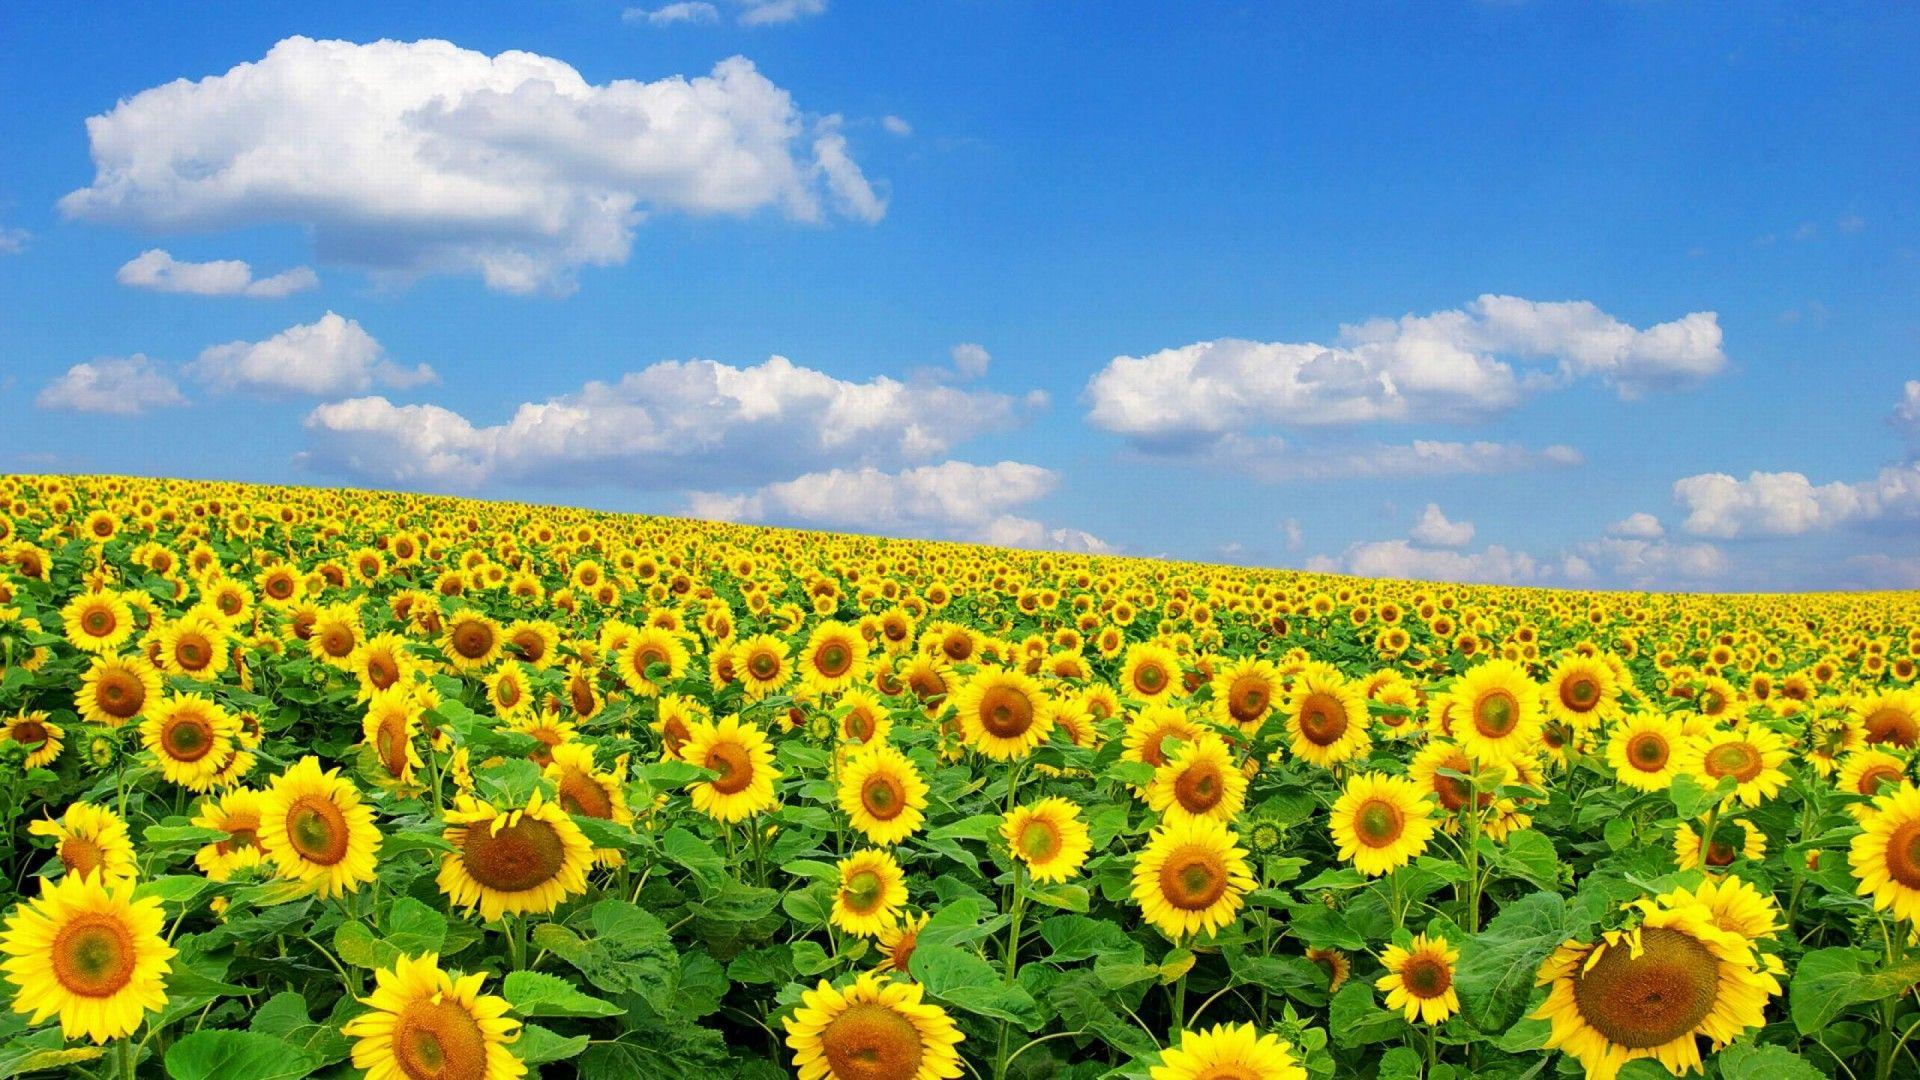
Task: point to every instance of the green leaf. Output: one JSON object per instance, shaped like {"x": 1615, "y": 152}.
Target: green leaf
{"x": 174, "y": 888}
{"x": 1498, "y": 965}
{"x": 1355, "y": 1019}
{"x": 414, "y": 928}
{"x": 284, "y": 1017}
{"x": 1077, "y": 937}
{"x": 1529, "y": 856}
{"x": 358, "y": 947}
{"x": 978, "y": 827}
{"x": 1827, "y": 982}
{"x": 695, "y": 854}
{"x": 534, "y": 993}
{"x": 1067, "y": 897}
{"x": 537, "y": 1045}
{"x": 1748, "y": 1062}
{"x": 211, "y": 1054}
{"x": 963, "y": 980}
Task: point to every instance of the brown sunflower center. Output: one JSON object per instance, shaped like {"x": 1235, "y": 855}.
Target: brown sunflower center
{"x": 473, "y": 640}
{"x": 519, "y": 857}
{"x": 1874, "y": 777}
{"x": 187, "y": 737}
{"x": 863, "y": 891}
{"x": 1193, "y": 878}
{"x": 1150, "y": 677}
{"x": 1652, "y": 999}
{"x": 382, "y": 672}
{"x": 646, "y": 656}
{"x": 1005, "y": 712}
{"x": 1894, "y": 726}
{"x": 860, "y": 724}
{"x": 81, "y": 855}
{"x": 582, "y": 794}
{"x": 732, "y": 765}
{"x": 834, "y": 659}
{"x": 1248, "y": 698}
{"x": 1648, "y": 751}
{"x": 1426, "y": 976}
{"x": 870, "y": 1041}
{"x": 193, "y": 652}
{"x": 30, "y": 732}
{"x": 763, "y": 665}
{"x": 1496, "y": 714}
{"x": 883, "y": 796}
{"x": 93, "y": 956}
{"x": 1199, "y": 788}
{"x": 337, "y": 640}
{"x": 1579, "y": 693}
{"x": 1903, "y": 854}
{"x": 1736, "y": 759}
{"x": 1378, "y": 823}
{"x": 98, "y": 622}
{"x": 438, "y": 1039}
{"x": 902, "y": 952}
{"x": 240, "y": 837}
{"x": 392, "y": 743}
{"x": 317, "y": 830}
{"x": 1039, "y": 840}
{"x": 1323, "y": 719}
{"x": 119, "y": 694}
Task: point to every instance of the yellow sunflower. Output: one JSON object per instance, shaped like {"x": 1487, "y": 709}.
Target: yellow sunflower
{"x": 90, "y": 841}
{"x": 382, "y": 663}
{"x": 192, "y": 738}
{"x": 650, "y": 647}
{"x": 1495, "y": 711}
{"x": 871, "y": 893}
{"x": 391, "y": 722}
{"x": 742, "y": 762}
{"x": 1581, "y": 692}
{"x": 116, "y": 689}
{"x": 1732, "y": 839}
{"x": 865, "y": 720}
{"x": 1245, "y": 692}
{"x": 1381, "y": 822}
{"x": 1645, "y": 751}
{"x": 194, "y": 646}
{"x": 898, "y": 941}
{"x": 236, "y": 813}
{"x": 316, "y": 829}
{"x": 1228, "y": 1052}
{"x": 1752, "y": 755}
{"x": 762, "y": 665}
{"x": 470, "y": 640}
{"x": 674, "y": 718}
{"x": 506, "y": 862}
{"x": 1002, "y": 713}
{"x": 1652, "y": 991}
{"x": 1868, "y": 773}
{"x": 1191, "y": 877}
{"x": 882, "y": 793}
{"x": 583, "y": 790}
{"x": 87, "y": 951}
{"x": 1151, "y": 672}
{"x": 98, "y": 622}
{"x": 1886, "y": 855}
{"x": 42, "y": 738}
{"x": 424, "y": 1022}
{"x": 874, "y": 1029}
{"x": 1326, "y": 717}
{"x": 834, "y": 658}
{"x": 1419, "y": 979}
{"x": 1890, "y": 716}
{"x": 1737, "y": 906}
{"x": 1049, "y": 837}
{"x": 1201, "y": 779}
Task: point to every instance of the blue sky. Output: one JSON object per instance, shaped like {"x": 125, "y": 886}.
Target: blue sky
{"x": 1626, "y": 292}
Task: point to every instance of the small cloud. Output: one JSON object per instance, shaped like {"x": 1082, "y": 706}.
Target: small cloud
{"x": 157, "y": 270}
{"x": 970, "y": 360}
{"x": 117, "y": 386}
{"x": 1434, "y": 530}
{"x": 896, "y": 126}
{"x": 1637, "y": 526}
{"x": 1850, "y": 223}
{"x": 694, "y": 11}
{"x": 1290, "y": 529}
{"x": 324, "y": 358}
{"x": 1808, "y": 230}
{"x": 14, "y": 241}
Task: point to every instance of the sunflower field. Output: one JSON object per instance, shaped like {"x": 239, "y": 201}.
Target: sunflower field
{"x": 336, "y": 783}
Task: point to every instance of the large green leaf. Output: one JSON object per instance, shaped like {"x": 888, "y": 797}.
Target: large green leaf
{"x": 210, "y": 1054}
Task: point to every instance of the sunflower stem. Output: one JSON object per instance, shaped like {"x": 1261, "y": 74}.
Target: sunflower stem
{"x": 1706, "y": 837}
{"x": 1000, "y": 1058}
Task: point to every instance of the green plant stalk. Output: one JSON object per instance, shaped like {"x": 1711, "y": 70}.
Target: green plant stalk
{"x": 1000, "y": 1058}
{"x": 1706, "y": 837}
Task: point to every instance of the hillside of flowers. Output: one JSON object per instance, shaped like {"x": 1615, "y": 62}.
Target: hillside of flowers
{"x": 333, "y": 783}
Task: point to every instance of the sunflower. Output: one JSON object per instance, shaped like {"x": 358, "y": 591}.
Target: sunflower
{"x": 763, "y": 665}
{"x": 1146, "y": 735}
{"x": 1381, "y": 822}
{"x": 1228, "y": 1052}
{"x": 647, "y": 648}
{"x": 192, "y": 738}
{"x": 1496, "y": 711}
{"x": 834, "y": 658}
{"x": 32, "y": 730}
{"x": 1645, "y": 751}
{"x": 1890, "y": 716}
{"x": 316, "y": 829}
{"x": 1868, "y": 773}
{"x": 194, "y": 646}
{"x": 1652, "y": 991}
{"x": 875, "y": 1029}
{"x": 1334, "y": 963}
{"x": 1151, "y": 672}
{"x": 391, "y": 722}
{"x": 90, "y": 841}
{"x": 86, "y": 950}
{"x": 1049, "y": 837}
{"x": 98, "y": 622}
{"x": 1191, "y": 877}
{"x": 1886, "y": 855}
{"x": 741, "y": 759}
{"x": 507, "y": 689}
{"x": 1732, "y": 839}
{"x": 674, "y": 718}
{"x": 882, "y": 793}
{"x": 898, "y": 941}
{"x": 1737, "y": 906}
{"x": 1752, "y": 755}
{"x": 1201, "y": 779}
{"x": 470, "y": 640}
{"x": 1581, "y": 692}
{"x": 583, "y": 790}
{"x": 506, "y": 862}
{"x": 426, "y": 1023}
{"x": 872, "y": 891}
{"x": 382, "y": 663}
{"x": 1428, "y": 768}
{"x": 236, "y": 813}
{"x": 1419, "y": 979}
{"x": 1326, "y": 717}
{"x": 1002, "y": 713}
{"x": 865, "y": 720}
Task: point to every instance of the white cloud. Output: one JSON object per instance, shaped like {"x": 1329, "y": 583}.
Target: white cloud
{"x": 1769, "y": 504}
{"x": 157, "y": 270}
{"x": 954, "y": 500}
{"x": 775, "y": 12}
{"x": 1651, "y": 563}
{"x": 123, "y": 386}
{"x": 1290, "y": 529}
{"x": 1883, "y": 571}
{"x": 423, "y": 157}
{"x": 687, "y": 11}
{"x": 1906, "y": 415}
{"x": 1637, "y": 526}
{"x": 1434, "y": 530}
{"x": 1445, "y": 366}
{"x": 14, "y": 241}
{"x": 895, "y": 125}
{"x": 746, "y": 12}
{"x": 1273, "y": 460}
{"x": 423, "y": 445}
{"x": 676, "y": 424}
{"x": 1496, "y": 565}
{"x": 324, "y": 358}
{"x": 970, "y": 360}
